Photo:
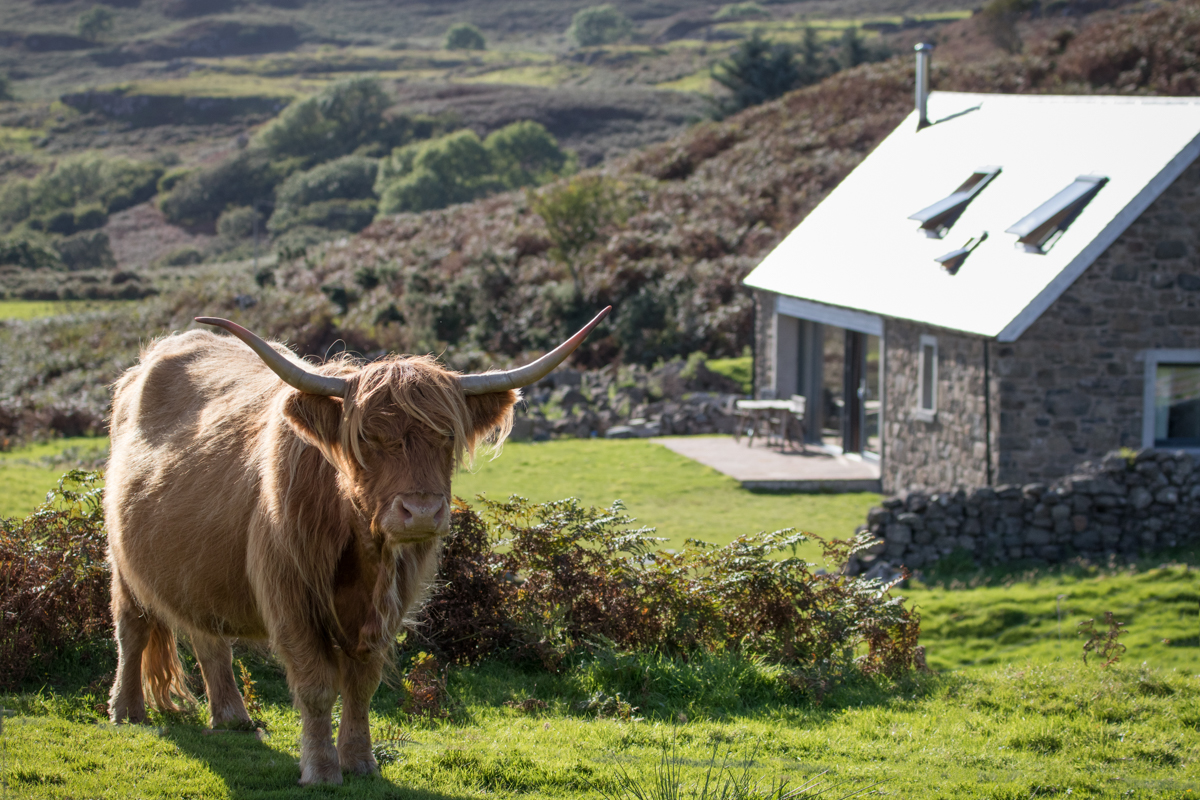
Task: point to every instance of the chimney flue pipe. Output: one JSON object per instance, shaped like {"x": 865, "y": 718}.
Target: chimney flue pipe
{"x": 922, "y": 93}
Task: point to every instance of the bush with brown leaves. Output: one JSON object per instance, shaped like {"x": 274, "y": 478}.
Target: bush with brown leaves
{"x": 544, "y": 582}
{"x": 54, "y": 580}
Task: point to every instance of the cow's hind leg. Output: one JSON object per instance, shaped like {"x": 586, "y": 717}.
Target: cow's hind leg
{"x": 225, "y": 706}
{"x": 133, "y": 627}
{"x": 359, "y": 680}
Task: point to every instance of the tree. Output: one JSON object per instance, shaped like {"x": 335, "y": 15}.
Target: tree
{"x": 465, "y": 36}
{"x": 95, "y": 22}
{"x": 999, "y": 22}
{"x": 853, "y": 51}
{"x": 575, "y": 213}
{"x": 596, "y": 25}
{"x": 758, "y": 71}
{"x": 5, "y": 88}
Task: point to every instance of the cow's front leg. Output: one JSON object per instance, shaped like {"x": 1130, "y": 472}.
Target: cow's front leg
{"x": 318, "y": 756}
{"x": 359, "y": 680}
{"x": 312, "y": 674}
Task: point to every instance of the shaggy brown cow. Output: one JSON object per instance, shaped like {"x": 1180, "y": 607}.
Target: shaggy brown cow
{"x": 305, "y": 511}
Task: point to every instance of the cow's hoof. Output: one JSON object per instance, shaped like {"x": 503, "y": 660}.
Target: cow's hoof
{"x": 361, "y": 766}
{"x": 326, "y": 772}
{"x": 119, "y": 714}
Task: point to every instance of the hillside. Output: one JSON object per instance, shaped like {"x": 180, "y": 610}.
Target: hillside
{"x": 676, "y": 227}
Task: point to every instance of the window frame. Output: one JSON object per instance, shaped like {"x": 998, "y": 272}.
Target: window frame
{"x": 922, "y": 413}
{"x": 1151, "y": 360}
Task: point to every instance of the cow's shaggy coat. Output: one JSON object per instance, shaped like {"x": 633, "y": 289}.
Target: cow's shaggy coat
{"x": 241, "y": 508}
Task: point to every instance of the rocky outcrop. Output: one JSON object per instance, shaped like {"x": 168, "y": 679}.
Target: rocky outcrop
{"x": 627, "y": 402}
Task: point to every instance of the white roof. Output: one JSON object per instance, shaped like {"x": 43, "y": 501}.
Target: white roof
{"x": 858, "y": 249}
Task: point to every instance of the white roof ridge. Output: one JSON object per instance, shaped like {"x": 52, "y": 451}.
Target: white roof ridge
{"x": 1089, "y": 99}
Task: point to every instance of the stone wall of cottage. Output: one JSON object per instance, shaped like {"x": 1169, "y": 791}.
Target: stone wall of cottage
{"x": 950, "y": 450}
{"x": 1071, "y": 387}
{"x": 1120, "y": 505}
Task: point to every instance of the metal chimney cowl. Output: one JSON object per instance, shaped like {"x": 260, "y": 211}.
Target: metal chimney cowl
{"x": 922, "y": 84}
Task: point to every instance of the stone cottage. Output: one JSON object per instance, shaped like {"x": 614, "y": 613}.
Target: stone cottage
{"x": 1007, "y": 286}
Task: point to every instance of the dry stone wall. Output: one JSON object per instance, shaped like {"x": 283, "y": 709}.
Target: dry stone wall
{"x": 1120, "y": 505}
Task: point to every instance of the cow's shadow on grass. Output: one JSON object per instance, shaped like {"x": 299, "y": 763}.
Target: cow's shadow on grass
{"x": 253, "y": 769}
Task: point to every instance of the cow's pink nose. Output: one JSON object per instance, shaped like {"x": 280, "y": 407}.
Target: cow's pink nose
{"x": 423, "y": 513}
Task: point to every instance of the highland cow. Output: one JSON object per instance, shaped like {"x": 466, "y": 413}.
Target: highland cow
{"x": 305, "y": 511}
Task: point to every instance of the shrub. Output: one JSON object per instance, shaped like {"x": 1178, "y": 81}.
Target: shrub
{"x": 55, "y": 578}
{"x": 333, "y": 123}
{"x": 454, "y": 168}
{"x": 87, "y": 250}
{"x": 95, "y": 22}
{"x": 524, "y": 154}
{"x": 346, "y": 178}
{"x": 239, "y": 222}
{"x": 596, "y": 25}
{"x": 341, "y": 215}
{"x": 465, "y": 36}
{"x": 28, "y": 254}
{"x": 171, "y": 177}
{"x": 181, "y": 257}
{"x": 112, "y": 183}
{"x": 553, "y": 577}
{"x": 246, "y": 179}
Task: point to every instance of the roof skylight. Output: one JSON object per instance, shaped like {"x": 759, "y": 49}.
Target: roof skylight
{"x": 938, "y": 218}
{"x": 1038, "y": 231}
{"x": 952, "y": 261}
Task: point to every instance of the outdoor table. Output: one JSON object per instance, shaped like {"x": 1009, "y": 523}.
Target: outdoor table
{"x": 777, "y": 414}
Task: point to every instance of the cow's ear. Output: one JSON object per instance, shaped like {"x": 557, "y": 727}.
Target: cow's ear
{"x": 491, "y": 411}
{"x": 315, "y": 420}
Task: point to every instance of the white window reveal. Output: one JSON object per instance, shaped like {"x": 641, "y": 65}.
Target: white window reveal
{"x": 928, "y": 361}
{"x": 1172, "y": 400}
{"x": 1041, "y": 228}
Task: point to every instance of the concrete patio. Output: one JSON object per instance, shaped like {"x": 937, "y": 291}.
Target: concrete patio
{"x": 816, "y": 469}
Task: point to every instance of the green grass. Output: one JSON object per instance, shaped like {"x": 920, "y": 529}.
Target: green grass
{"x": 35, "y": 309}
{"x": 678, "y": 496}
{"x": 740, "y": 369}
{"x": 1017, "y": 621}
{"x": 27, "y": 473}
{"x": 1014, "y": 732}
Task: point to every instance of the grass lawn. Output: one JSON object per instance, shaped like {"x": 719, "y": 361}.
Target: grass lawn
{"x": 679, "y": 497}
{"x": 27, "y": 473}
{"x": 1012, "y": 713}
{"x": 1060, "y": 729}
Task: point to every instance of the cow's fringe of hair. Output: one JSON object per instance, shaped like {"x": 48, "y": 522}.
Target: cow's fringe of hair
{"x": 421, "y": 388}
{"x": 163, "y": 677}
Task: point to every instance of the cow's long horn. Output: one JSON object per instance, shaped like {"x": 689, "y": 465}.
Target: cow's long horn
{"x": 292, "y": 373}
{"x": 530, "y": 373}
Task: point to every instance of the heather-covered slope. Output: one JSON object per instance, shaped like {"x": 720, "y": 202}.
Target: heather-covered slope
{"x": 481, "y": 283}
